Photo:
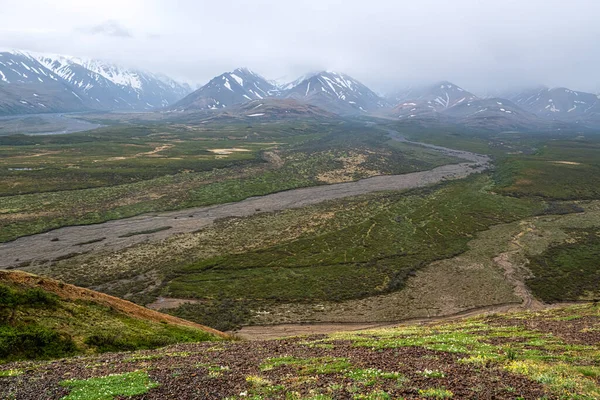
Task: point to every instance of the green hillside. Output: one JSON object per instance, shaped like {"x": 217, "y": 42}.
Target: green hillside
{"x": 42, "y": 318}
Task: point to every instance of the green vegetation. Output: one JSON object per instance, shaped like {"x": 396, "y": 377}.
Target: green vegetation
{"x": 223, "y": 315}
{"x": 309, "y": 366}
{"x": 122, "y": 171}
{"x": 568, "y": 369}
{"x": 498, "y": 356}
{"x": 558, "y": 166}
{"x": 109, "y": 387}
{"x": 37, "y": 324}
{"x": 568, "y": 271}
{"x": 371, "y": 376}
{"x": 436, "y": 393}
{"x": 563, "y": 170}
{"x": 379, "y": 241}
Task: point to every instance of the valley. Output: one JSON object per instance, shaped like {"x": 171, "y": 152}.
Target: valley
{"x": 300, "y": 200}
{"x": 122, "y": 233}
{"x": 311, "y": 220}
{"x": 304, "y": 223}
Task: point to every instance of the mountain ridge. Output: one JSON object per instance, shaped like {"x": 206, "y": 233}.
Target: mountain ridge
{"x": 69, "y": 83}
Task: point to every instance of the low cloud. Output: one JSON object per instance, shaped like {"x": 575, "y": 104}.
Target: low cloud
{"x": 109, "y": 28}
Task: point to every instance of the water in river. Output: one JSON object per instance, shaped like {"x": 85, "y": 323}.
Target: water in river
{"x": 44, "y": 124}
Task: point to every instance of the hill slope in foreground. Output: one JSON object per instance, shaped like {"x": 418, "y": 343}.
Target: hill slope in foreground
{"x": 551, "y": 354}
{"x": 44, "y": 318}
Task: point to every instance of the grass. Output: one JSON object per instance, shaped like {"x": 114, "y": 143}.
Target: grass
{"x": 377, "y": 247}
{"x": 223, "y": 315}
{"x": 109, "y": 387}
{"x": 568, "y": 271}
{"x": 560, "y": 169}
{"x": 119, "y": 172}
{"x": 11, "y": 372}
{"x": 309, "y": 366}
{"x": 567, "y": 370}
{"x": 371, "y": 376}
{"x": 360, "y": 247}
{"x": 36, "y": 324}
{"x": 436, "y": 393}
{"x": 497, "y": 355}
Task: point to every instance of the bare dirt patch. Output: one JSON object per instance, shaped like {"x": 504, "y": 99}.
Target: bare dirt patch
{"x": 166, "y": 303}
{"x": 352, "y": 165}
{"x": 225, "y": 152}
{"x": 566, "y": 162}
{"x": 151, "y": 153}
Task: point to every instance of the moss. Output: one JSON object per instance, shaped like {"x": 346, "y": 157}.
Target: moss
{"x": 109, "y": 387}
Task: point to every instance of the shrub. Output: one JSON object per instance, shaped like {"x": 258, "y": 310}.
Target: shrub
{"x": 33, "y": 342}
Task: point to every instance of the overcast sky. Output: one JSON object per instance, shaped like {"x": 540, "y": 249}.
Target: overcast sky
{"x": 485, "y": 44}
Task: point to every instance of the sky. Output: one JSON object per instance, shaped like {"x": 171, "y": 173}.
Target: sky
{"x": 482, "y": 45}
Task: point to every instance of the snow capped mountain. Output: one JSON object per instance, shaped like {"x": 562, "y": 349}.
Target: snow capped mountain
{"x": 112, "y": 86}
{"x": 330, "y": 91}
{"x": 501, "y": 114}
{"x": 437, "y": 97}
{"x": 97, "y": 85}
{"x": 227, "y": 89}
{"x": 287, "y": 85}
{"x": 26, "y": 86}
{"x": 561, "y": 104}
{"x": 336, "y": 92}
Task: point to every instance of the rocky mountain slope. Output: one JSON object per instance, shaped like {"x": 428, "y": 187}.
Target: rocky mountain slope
{"x": 228, "y": 89}
{"x": 26, "y": 86}
{"x": 37, "y": 83}
{"x": 561, "y": 104}
{"x": 499, "y": 113}
{"x": 447, "y": 103}
{"x": 438, "y": 97}
{"x": 331, "y": 91}
{"x": 271, "y": 109}
{"x": 337, "y": 93}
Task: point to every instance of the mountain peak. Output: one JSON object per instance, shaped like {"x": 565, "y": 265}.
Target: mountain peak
{"x": 245, "y": 71}
{"x": 562, "y": 104}
{"x": 236, "y": 87}
{"x": 336, "y": 92}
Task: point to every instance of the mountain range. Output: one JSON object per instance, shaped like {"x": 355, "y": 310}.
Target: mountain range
{"x": 38, "y": 83}
{"x": 332, "y": 91}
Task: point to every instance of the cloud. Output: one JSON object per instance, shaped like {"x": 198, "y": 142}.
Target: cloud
{"x": 480, "y": 45}
{"x": 109, "y": 28}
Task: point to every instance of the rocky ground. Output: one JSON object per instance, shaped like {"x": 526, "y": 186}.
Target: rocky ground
{"x": 550, "y": 354}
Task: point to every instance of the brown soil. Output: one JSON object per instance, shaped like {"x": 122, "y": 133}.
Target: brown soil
{"x": 167, "y": 303}
{"x": 183, "y": 373}
{"x": 582, "y": 330}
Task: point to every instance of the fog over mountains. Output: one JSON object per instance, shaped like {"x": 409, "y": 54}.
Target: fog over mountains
{"x": 481, "y": 45}
{"x": 41, "y": 83}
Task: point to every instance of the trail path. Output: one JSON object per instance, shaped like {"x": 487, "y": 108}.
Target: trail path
{"x": 267, "y": 332}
